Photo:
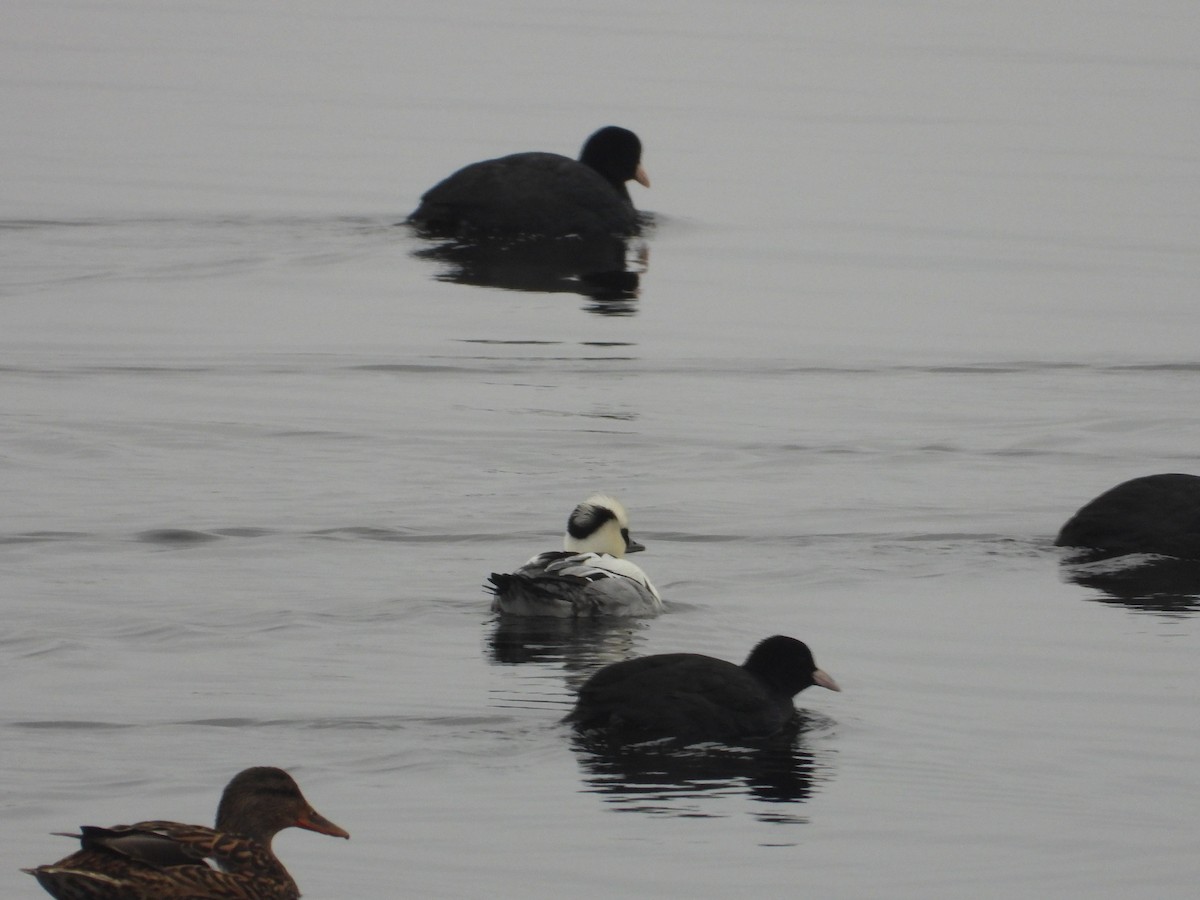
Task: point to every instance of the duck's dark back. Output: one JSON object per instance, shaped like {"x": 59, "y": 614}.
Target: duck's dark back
{"x": 686, "y": 696}
{"x": 525, "y": 194}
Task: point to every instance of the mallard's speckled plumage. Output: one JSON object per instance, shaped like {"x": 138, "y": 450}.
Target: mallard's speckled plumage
{"x": 160, "y": 860}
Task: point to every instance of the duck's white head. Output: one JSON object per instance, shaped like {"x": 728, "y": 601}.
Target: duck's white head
{"x": 599, "y": 525}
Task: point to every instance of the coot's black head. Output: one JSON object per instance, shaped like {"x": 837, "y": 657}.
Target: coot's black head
{"x": 616, "y": 153}
{"x": 787, "y": 666}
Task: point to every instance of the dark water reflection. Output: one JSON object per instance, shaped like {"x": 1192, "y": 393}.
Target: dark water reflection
{"x": 580, "y": 646}
{"x": 1158, "y": 584}
{"x": 606, "y": 271}
{"x": 664, "y": 779}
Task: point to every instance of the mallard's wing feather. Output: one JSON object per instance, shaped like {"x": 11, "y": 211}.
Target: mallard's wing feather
{"x": 161, "y": 860}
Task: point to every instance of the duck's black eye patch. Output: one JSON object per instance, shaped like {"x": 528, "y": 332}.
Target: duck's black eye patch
{"x": 586, "y": 518}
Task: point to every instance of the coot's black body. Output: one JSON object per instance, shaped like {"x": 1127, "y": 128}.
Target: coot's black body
{"x": 1153, "y": 514}
{"x": 539, "y": 195}
{"x": 692, "y": 698}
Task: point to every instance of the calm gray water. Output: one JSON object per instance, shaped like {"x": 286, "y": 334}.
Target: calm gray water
{"x": 923, "y": 281}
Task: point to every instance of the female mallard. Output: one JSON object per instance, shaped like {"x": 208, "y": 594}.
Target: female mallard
{"x": 159, "y": 860}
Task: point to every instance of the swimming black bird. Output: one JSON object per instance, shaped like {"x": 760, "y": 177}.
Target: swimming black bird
{"x": 694, "y": 698}
{"x": 1152, "y": 514}
{"x": 540, "y": 195}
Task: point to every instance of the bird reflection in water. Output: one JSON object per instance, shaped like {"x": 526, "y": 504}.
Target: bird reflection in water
{"x": 579, "y": 644}
{"x": 607, "y": 271}
{"x": 1139, "y": 581}
{"x": 663, "y": 778}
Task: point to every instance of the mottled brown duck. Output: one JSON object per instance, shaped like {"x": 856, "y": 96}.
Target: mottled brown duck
{"x": 158, "y": 860}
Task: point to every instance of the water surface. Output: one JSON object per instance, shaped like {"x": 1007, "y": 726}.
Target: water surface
{"x": 921, "y": 282}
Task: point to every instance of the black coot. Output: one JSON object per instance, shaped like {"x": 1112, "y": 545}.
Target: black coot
{"x": 1152, "y": 514}
{"x": 541, "y": 195}
{"x": 694, "y": 698}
